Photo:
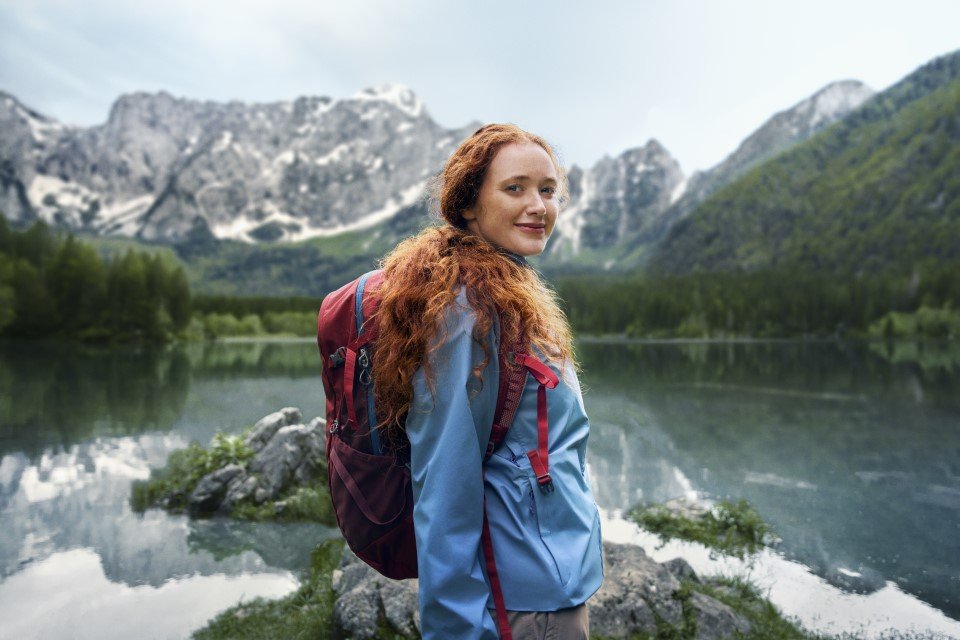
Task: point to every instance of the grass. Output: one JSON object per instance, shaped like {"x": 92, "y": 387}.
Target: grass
{"x": 305, "y": 614}
{"x": 733, "y": 528}
{"x": 170, "y": 488}
{"x": 766, "y": 621}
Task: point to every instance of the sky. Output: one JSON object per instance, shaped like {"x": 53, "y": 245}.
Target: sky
{"x": 593, "y": 78}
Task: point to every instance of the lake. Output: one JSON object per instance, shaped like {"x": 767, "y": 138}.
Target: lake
{"x": 850, "y": 451}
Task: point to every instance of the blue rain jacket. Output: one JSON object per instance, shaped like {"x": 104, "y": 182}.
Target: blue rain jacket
{"x": 547, "y": 546}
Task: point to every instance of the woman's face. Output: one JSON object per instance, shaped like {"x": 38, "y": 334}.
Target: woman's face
{"x": 517, "y": 206}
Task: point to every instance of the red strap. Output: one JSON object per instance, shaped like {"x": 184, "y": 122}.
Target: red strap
{"x": 503, "y": 624}
{"x": 540, "y": 371}
{"x": 540, "y": 458}
{"x": 356, "y": 492}
{"x": 349, "y": 368}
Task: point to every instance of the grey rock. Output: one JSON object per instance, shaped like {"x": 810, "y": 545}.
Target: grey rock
{"x": 366, "y": 600}
{"x": 267, "y": 426}
{"x": 212, "y": 488}
{"x": 319, "y": 424}
{"x": 715, "y": 620}
{"x": 295, "y": 454}
{"x": 239, "y": 489}
{"x": 635, "y": 592}
{"x": 681, "y": 569}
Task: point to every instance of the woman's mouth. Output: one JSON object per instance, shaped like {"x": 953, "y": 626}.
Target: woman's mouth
{"x": 531, "y": 227}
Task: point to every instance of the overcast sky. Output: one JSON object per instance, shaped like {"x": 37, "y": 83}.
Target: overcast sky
{"x": 593, "y": 78}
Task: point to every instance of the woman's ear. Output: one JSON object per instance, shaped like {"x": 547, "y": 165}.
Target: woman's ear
{"x": 469, "y": 214}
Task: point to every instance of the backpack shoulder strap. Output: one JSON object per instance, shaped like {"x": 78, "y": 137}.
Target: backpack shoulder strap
{"x": 513, "y": 378}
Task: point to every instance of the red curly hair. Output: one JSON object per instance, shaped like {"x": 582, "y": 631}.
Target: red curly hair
{"x": 423, "y": 275}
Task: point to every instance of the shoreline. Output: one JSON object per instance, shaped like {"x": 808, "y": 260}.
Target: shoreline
{"x": 817, "y": 606}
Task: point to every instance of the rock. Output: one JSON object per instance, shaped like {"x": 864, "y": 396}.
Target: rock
{"x": 681, "y": 569}
{"x": 635, "y": 592}
{"x": 210, "y": 491}
{"x": 239, "y": 489}
{"x": 716, "y": 620}
{"x": 368, "y": 602}
{"x": 295, "y": 454}
{"x": 268, "y": 425}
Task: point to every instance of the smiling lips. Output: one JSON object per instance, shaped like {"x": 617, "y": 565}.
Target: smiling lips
{"x": 531, "y": 227}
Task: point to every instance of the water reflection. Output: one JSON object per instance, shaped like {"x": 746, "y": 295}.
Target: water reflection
{"x": 79, "y": 499}
{"x": 852, "y": 452}
{"x": 855, "y": 461}
{"x": 58, "y": 394}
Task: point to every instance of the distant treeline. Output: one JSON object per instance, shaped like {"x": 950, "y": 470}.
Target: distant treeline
{"x": 257, "y": 305}
{"x": 52, "y": 285}
{"x": 767, "y": 303}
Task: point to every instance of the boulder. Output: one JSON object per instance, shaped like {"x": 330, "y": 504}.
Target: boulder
{"x": 368, "y": 603}
{"x": 293, "y": 455}
{"x": 681, "y": 569}
{"x": 267, "y": 426}
{"x": 635, "y": 592}
{"x": 716, "y": 620}
{"x": 638, "y": 596}
{"x": 209, "y": 493}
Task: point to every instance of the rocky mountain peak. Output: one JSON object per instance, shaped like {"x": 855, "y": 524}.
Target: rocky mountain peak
{"x": 828, "y": 104}
{"x": 396, "y": 95}
{"x": 162, "y": 167}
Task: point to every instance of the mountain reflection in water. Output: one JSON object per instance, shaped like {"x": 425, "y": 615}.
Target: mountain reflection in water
{"x": 851, "y": 452}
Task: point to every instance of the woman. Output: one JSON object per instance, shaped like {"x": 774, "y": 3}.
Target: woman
{"x": 450, "y": 297}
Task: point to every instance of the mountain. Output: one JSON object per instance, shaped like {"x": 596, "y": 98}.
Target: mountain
{"x": 295, "y": 196}
{"x": 781, "y": 132}
{"x": 879, "y": 189}
{"x": 612, "y": 199}
{"x": 169, "y": 169}
{"x": 622, "y": 207}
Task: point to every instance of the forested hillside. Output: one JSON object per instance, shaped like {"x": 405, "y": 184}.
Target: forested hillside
{"x": 58, "y": 286}
{"x": 878, "y": 191}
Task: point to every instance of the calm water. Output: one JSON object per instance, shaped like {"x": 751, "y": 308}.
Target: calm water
{"x": 851, "y": 452}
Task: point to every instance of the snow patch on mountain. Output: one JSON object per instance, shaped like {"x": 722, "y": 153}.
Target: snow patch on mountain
{"x": 122, "y": 218}
{"x": 679, "y": 190}
{"x": 398, "y": 95}
{"x": 58, "y": 201}
{"x": 571, "y": 220}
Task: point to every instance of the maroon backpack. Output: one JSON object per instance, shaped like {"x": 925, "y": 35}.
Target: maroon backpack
{"x": 368, "y": 474}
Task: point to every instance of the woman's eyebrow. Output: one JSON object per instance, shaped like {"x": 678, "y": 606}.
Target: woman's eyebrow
{"x": 523, "y": 178}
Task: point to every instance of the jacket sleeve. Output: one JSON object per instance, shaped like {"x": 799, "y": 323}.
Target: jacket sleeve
{"x": 448, "y": 434}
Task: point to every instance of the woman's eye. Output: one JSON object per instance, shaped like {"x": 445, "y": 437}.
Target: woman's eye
{"x": 549, "y": 190}
{"x": 513, "y": 187}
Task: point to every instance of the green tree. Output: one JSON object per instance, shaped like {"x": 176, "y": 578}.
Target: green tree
{"x": 78, "y": 283}
{"x": 37, "y": 245}
{"x": 34, "y": 308}
{"x": 178, "y": 300}
{"x": 6, "y": 241}
{"x": 7, "y": 294}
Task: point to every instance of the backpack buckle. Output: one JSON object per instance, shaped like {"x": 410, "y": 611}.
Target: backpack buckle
{"x": 545, "y": 483}
{"x": 338, "y": 357}
{"x": 334, "y": 426}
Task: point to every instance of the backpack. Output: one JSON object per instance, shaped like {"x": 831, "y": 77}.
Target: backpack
{"x": 368, "y": 475}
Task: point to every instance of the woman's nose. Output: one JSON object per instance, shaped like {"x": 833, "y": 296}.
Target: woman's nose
{"x": 537, "y": 206}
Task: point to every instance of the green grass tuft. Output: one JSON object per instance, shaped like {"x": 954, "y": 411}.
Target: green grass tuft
{"x": 733, "y": 528}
